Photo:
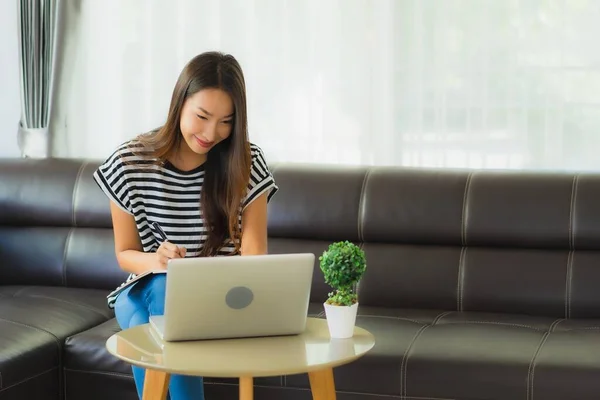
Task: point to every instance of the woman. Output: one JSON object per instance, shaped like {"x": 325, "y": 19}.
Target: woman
{"x": 199, "y": 179}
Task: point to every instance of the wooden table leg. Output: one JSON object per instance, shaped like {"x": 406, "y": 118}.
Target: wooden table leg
{"x": 322, "y": 384}
{"x": 156, "y": 385}
{"x": 246, "y": 388}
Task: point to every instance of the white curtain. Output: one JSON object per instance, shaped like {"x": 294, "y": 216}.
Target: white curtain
{"x": 461, "y": 83}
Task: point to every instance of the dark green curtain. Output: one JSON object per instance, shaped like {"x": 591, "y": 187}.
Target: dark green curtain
{"x": 38, "y": 20}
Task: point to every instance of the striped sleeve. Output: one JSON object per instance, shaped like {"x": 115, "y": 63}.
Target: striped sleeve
{"x": 261, "y": 178}
{"x": 111, "y": 177}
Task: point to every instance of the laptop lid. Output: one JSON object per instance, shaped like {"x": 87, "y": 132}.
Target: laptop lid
{"x": 237, "y": 296}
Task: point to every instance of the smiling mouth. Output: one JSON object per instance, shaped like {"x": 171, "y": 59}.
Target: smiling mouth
{"x": 203, "y": 143}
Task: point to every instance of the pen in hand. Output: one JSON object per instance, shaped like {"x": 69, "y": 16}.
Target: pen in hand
{"x": 160, "y": 231}
{"x": 180, "y": 250}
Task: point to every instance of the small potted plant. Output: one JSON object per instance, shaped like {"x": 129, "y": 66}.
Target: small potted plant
{"x": 343, "y": 265}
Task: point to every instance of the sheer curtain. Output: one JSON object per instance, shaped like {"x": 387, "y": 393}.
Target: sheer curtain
{"x": 449, "y": 83}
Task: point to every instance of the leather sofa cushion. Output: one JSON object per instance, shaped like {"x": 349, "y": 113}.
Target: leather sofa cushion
{"x": 34, "y": 321}
{"x": 330, "y": 216}
{"x": 468, "y": 355}
{"x": 85, "y": 299}
{"x": 25, "y": 352}
{"x": 570, "y": 355}
{"x": 87, "y": 364}
{"x": 419, "y": 353}
{"x": 394, "y": 330}
{"x": 86, "y": 351}
{"x": 74, "y": 257}
{"x": 478, "y": 279}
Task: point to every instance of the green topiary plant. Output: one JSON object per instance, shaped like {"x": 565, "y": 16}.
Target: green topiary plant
{"x": 343, "y": 265}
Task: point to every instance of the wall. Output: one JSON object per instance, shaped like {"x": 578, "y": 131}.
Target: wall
{"x": 9, "y": 80}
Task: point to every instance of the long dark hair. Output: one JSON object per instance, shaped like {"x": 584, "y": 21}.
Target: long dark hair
{"x": 227, "y": 167}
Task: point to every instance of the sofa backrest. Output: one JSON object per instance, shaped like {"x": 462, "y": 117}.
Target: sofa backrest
{"x": 491, "y": 241}
{"x": 518, "y": 242}
{"x": 55, "y": 226}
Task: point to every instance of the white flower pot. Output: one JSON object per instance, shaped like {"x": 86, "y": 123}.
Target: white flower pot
{"x": 341, "y": 320}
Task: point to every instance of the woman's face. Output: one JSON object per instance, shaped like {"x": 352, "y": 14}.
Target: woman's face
{"x": 206, "y": 119}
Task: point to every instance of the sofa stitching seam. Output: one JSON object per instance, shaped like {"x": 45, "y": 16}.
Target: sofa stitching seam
{"x": 571, "y": 286}
{"x": 463, "y": 225}
{"x": 33, "y": 327}
{"x": 460, "y": 281}
{"x": 120, "y": 374}
{"x": 27, "y": 379}
{"x": 572, "y": 211}
{"x": 382, "y": 396}
{"x": 393, "y": 317}
{"x": 462, "y": 278}
{"x": 74, "y": 197}
{"x": 569, "y": 276}
{"x": 69, "y": 302}
{"x": 584, "y": 328}
{"x": 15, "y": 294}
{"x": 574, "y": 204}
{"x": 531, "y": 370}
{"x": 574, "y": 200}
{"x": 361, "y": 214}
{"x": 440, "y": 316}
{"x": 568, "y": 283}
{"x": 64, "y": 263}
{"x": 496, "y": 323}
{"x": 404, "y": 363}
{"x": 463, "y": 241}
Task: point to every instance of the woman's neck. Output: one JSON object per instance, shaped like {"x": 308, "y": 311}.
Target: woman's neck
{"x": 186, "y": 160}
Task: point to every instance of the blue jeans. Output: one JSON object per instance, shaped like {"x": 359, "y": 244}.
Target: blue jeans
{"x": 133, "y": 307}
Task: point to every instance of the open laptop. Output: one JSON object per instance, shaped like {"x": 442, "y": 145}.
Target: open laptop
{"x": 235, "y": 296}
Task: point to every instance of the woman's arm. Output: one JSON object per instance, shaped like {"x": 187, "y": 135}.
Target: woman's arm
{"x": 254, "y": 227}
{"x": 128, "y": 247}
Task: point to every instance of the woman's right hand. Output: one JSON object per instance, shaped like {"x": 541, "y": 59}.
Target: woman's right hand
{"x": 167, "y": 251}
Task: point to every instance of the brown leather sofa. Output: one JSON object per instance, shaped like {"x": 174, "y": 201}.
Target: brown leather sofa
{"x": 480, "y": 285}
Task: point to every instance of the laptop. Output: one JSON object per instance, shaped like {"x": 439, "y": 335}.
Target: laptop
{"x": 235, "y": 297}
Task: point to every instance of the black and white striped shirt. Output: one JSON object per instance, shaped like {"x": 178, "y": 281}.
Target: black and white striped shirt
{"x": 170, "y": 197}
